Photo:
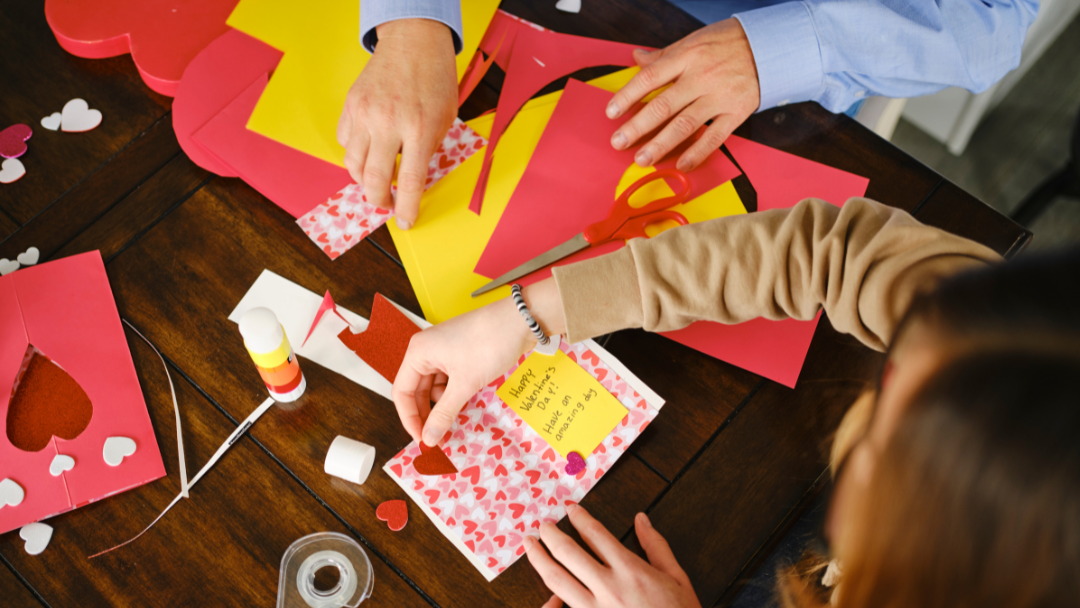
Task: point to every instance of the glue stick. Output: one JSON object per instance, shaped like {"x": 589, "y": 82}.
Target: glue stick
{"x": 269, "y": 348}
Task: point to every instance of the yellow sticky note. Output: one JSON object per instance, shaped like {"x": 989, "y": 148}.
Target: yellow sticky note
{"x": 562, "y": 402}
{"x": 322, "y": 58}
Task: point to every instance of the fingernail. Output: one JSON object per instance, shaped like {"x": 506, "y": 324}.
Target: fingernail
{"x": 684, "y": 165}
{"x": 431, "y": 437}
{"x": 644, "y": 520}
{"x": 570, "y": 508}
{"x": 529, "y": 543}
{"x": 618, "y": 141}
{"x": 612, "y": 109}
{"x": 643, "y": 158}
{"x": 403, "y": 224}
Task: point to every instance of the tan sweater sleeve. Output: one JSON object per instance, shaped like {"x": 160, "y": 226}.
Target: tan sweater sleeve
{"x": 863, "y": 264}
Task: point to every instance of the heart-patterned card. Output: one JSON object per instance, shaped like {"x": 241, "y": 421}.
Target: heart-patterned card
{"x": 510, "y": 480}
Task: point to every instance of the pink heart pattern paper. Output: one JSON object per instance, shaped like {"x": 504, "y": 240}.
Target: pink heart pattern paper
{"x": 511, "y": 481}
{"x": 344, "y": 219}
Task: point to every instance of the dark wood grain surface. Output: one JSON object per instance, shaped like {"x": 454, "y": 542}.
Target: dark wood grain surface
{"x": 722, "y": 471}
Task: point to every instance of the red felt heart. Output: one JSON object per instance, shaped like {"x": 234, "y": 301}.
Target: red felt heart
{"x": 394, "y": 512}
{"x": 46, "y": 402}
{"x": 433, "y": 461}
{"x": 13, "y": 140}
{"x": 383, "y": 344}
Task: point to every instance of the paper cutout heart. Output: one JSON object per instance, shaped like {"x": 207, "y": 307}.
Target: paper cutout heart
{"x": 60, "y": 464}
{"x": 569, "y": 6}
{"x": 11, "y": 170}
{"x": 11, "y": 494}
{"x": 37, "y": 537}
{"x": 574, "y": 463}
{"x": 8, "y": 266}
{"x": 383, "y": 344}
{"x": 29, "y": 257}
{"x": 116, "y": 449}
{"x": 52, "y": 121}
{"x": 433, "y": 461}
{"x": 78, "y": 117}
{"x": 395, "y": 513}
{"x": 45, "y": 402}
{"x": 13, "y": 140}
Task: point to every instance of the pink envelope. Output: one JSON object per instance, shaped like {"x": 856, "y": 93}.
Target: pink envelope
{"x": 66, "y": 310}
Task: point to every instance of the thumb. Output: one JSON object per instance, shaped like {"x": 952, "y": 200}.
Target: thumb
{"x": 658, "y": 551}
{"x": 446, "y": 409}
{"x": 644, "y": 57}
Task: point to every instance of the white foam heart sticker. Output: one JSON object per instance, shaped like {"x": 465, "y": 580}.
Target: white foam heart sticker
{"x": 52, "y": 121}
{"x": 78, "y": 117}
{"x": 37, "y": 537}
{"x": 11, "y": 170}
{"x": 8, "y": 266}
{"x": 569, "y": 6}
{"x": 11, "y": 494}
{"x": 116, "y": 449}
{"x": 60, "y": 464}
{"x": 29, "y": 257}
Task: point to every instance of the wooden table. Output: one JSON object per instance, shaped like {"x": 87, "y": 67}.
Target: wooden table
{"x": 722, "y": 472}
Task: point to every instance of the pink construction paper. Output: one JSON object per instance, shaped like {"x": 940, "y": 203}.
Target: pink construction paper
{"x": 510, "y": 480}
{"x": 537, "y": 59}
{"x": 66, "y": 309}
{"x": 773, "y": 349}
{"x": 570, "y": 182}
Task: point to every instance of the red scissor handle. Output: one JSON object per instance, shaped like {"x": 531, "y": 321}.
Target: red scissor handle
{"x": 621, "y": 214}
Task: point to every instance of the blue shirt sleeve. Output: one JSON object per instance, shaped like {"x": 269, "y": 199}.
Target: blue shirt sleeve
{"x": 837, "y": 52}
{"x": 374, "y": 13}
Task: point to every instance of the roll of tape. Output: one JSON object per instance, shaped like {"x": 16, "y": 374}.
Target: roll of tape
{"x": 349, "y": 459}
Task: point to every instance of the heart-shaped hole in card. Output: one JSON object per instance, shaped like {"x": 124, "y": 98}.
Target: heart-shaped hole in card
{"x": 394, "y": 512}
{"x": 433, "y": 461}
{"x": 45, "y": 402}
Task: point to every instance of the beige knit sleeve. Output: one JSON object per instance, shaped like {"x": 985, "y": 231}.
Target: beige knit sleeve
{"x": 863, "y": 264}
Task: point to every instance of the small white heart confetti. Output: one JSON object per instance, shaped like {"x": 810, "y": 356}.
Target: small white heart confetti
{"x": 569, "y": 6}
{"x": 11, "y": 494}
{"x": 52, "y": 121}
{"x": 37, "y": 537}
{"x": 29, "y": 257}
{"x": 116, "y": 449}
{"x": 60, "y": 464}
{"x": 8, "y": 266}
{"x": 78, "y": 117}
{"x": 11, "y": 170}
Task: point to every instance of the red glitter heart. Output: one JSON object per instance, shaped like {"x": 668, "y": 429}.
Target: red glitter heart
{"x": 395, "y": 513}
{"x": 433, "y": 461}
{"x": 13, "y": 140}
{"x": 46, "y": 401}
{"x": 383, "y": 344}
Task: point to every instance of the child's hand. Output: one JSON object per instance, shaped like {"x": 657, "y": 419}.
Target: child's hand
{"x": 621, "y": 580}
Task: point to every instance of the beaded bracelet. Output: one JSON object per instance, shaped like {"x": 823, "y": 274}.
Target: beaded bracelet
{"x": 515, "y": 292}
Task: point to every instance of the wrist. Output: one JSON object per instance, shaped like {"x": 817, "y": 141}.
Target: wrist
{"x": 414, "y": 30}
{"x": 545, "y": 306}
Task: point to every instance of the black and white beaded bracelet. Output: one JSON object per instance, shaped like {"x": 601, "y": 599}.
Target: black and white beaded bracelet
{"x": 515, "y": 292}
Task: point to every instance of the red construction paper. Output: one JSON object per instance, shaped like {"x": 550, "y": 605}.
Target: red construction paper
{"x": 383, "y": 344}
{"x": 327, "y": 304}
{"x": 433, "y": 461}
{"x": 499, "y": 38}
{"x": 570, "y": 182}
{"x": 162, "y": 37}
{"x": 395, "y": 513}
{"x": 66, "y": 309}
{"x": 773, "y": 349}
{"x": 537, "y": 59}
{"x": 47, "y": 402}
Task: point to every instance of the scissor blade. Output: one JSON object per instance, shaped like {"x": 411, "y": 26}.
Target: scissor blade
{"x": 570, "y": 247}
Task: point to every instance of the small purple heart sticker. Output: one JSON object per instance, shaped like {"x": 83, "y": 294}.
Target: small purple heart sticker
{"x": 574, "y": 463}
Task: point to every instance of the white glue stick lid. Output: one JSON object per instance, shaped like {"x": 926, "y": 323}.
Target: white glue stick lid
{"x": 261, "y": 331}
{"x": 349, "y": 459}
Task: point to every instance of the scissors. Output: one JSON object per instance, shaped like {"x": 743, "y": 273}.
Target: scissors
{"x": 623, "y": 222}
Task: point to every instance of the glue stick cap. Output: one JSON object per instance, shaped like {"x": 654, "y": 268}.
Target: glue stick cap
{"x": 261, "y": 330}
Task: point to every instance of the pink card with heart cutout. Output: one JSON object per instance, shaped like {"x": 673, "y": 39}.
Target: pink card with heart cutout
{"x": 511, "y": 481}
{"x": 66, "y": 310}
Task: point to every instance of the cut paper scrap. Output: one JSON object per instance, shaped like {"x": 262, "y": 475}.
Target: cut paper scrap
{"x": 295, "y": 307}
{"x": 510, "y": 480}
{"x": 556, "y": 200}
{"x": 162, "y": 37}
{"x": 228, "y": 443}
{"x": 441, "y": 276}
{"x": 433, "y": 461}
{"x": 566, "y": 406}
{"x": 395, "y": 513}
{"x": 65, "y": 308}
{"x": 773, "y": 349}
{"x": 537, "y": 59}
{"x": 343, "y": 220}
{"x": 383, "y": 344}
{"x": 499, "y": 38}
{"x": 13, "y": 140}
{"x": 326, "y": 306}
{"x": 322, "y": 58}
{"x": 47, "y": 402}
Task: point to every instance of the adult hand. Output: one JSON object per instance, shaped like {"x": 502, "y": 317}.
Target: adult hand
{"x": 714, "y": 77}
{"x": 621, "y": 579}
{"x": 404, "y": 101}
{"x": 450, "y": 362}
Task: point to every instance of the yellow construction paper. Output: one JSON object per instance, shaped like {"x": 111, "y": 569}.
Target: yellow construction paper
{"x": 441, "y": 250}
{"x": 562, "y": 402}
{"x": 322, "y": 58}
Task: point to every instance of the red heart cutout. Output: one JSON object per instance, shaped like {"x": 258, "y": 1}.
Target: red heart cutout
{"x": 433, "y": 461}
{"x": 46, "y": 402}
{"x": 13, "y": 140}
{"x": 394, "y": 512}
